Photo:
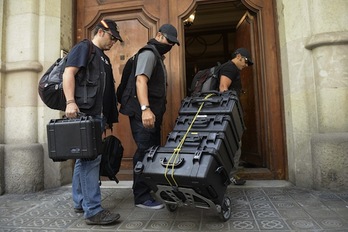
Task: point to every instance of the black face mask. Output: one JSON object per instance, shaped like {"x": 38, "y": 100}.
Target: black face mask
{"x": 161, "y": 47}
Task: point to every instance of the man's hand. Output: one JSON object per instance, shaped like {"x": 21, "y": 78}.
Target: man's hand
{"x": 71, "y": 110}
{"x": 148, "y": 118}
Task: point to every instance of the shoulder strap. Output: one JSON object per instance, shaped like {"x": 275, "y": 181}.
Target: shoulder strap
{"x": 218, "y": 67}
{"x": 91, "y": 53}
{"x": 91, "y": 50}
{"x": 146, "y": 47}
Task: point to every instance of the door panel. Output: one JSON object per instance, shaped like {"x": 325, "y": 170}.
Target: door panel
{"x": 119, "y": 55}
{"x": 135, "y": 28}
{"x": 245, "y": 36}
{"x": 138, "y": 21}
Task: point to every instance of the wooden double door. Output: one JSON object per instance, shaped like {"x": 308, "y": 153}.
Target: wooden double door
{"x": 263, "y": 152}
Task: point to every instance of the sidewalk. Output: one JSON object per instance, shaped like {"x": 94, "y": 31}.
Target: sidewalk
{"x": 257, "y": 206}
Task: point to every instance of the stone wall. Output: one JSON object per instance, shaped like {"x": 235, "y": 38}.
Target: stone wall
{"x": 35, "y": 33}
{"x": 330, "y": 161}
{"x": 2, "y": 171}
{"x": 23, "y": 168}
{"x": 313, "y": 43}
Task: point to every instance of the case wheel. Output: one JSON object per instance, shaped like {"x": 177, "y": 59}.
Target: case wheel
{"x": 225, "y": 213}
{"x": 172, "y": 207}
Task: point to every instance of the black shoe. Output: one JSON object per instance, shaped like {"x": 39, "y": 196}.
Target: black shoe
{"x": 78, "y": 210}
{"x": 237, "y": 180}
{"x": 104, "y": 217}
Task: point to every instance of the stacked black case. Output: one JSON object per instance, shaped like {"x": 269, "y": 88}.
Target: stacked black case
{"x": 193, "y": 167}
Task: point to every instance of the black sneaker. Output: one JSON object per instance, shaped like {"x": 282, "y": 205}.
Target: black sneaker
{"x": 104, "y": 217}
{"x": 78, "y": 210}
{"x": 237, "y": 180}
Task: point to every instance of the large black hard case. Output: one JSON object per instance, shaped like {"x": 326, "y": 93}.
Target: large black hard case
{"x": 233, "y": 128}
{"x": 215, "y": 142}
{"x": 78, "y": 138}
{"x": 199, "y": 170}
{"x": 226, "y": 103}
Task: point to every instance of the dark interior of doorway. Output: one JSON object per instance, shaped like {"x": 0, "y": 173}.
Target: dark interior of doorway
{"x": 211, "y": 37}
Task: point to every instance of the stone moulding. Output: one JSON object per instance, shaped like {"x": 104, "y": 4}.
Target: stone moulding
{"x": 327, "y": 39}
{"x": 21, "y": 66}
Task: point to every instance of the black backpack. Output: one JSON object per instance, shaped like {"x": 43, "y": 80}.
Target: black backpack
{"x": 127, "y": 71}
{"x": 206, "y": 80}
{"x": 126, "y": 91}
{"x": 51, "y": 83}
{"x": 111, "y": 157}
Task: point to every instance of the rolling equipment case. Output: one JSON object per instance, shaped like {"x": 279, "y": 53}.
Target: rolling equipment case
{"x": 193, "y": 167}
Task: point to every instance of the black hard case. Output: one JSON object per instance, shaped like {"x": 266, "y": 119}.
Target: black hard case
{"x": 78, "y": 138}
{"x": 233, "y": 128}
{"x": 214, "y": 103}
{"x": 214, "y": 142}
{"x": 201, "y": 171}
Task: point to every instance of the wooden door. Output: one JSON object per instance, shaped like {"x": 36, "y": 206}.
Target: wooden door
{"x": 263, "y": 99}
{"x": 246, "y": 36}
{"x": 119, "y": 55}
{"x": 138, "y": 21}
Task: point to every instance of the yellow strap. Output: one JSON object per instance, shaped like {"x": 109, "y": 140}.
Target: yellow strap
{"x": 177, "y": 150}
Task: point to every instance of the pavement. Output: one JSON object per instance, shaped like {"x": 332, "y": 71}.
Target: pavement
{"x": 257, "y": 206}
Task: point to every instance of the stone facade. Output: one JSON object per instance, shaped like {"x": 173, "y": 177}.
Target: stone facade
{"x": 32, "y": 36}
{"x": 314, "y": 47}
{"x": 313, "y": 39}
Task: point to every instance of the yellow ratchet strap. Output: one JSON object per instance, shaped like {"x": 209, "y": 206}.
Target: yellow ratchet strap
{"x": 177, "y": 150}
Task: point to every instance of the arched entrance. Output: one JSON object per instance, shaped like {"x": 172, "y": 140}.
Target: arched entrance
{"x": 252, "y": 26}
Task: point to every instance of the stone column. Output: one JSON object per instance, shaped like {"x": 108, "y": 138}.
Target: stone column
{"x": 32, "y": 41}
{"x": 2, "y": 179}
{"x": 20, "y": 97}
{"x": 330, "y": 62}
{"x": 329, "y": 145}
{"x": 313, "y": 45}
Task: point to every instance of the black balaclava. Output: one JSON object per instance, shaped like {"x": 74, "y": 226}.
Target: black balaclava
{"x": 161, "y": 47}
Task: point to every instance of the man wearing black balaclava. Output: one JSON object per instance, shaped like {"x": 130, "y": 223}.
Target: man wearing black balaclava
{"x": 151, "y": 85}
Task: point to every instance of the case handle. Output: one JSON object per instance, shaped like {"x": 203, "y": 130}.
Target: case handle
{"x": 165, "y": 163}
{"x": 210, "y": 101}
{"x": 199, "y": 122}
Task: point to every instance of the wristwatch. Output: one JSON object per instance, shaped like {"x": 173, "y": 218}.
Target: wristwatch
{"x": 144, "y": 107}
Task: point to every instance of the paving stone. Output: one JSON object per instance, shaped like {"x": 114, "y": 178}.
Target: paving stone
{"x": 277, "y": 209}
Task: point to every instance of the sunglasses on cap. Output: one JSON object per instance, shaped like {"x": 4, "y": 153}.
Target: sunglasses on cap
{"x": 113, "y": 38}
{"x": 246, "y": 59}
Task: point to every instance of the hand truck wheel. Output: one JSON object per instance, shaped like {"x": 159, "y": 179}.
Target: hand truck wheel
{"x": 225, "y": 213}
{"x": 172, "y": 207}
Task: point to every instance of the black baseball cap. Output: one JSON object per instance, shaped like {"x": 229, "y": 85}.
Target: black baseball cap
{"x": 169, "y": 31}
{"x": 244, "y": 52}
{"x": 111, "y": 25}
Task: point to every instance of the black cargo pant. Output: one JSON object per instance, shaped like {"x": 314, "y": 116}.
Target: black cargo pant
{"x": 144, "y": 138}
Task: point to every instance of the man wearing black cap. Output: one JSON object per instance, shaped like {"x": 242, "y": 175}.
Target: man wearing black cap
{"x": 87, "y": 65}
{"x": 151, "y": 85}
{"x": 230, "y": 80}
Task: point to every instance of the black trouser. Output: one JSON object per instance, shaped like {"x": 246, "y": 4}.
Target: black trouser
{"x": 144, "y": 138}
